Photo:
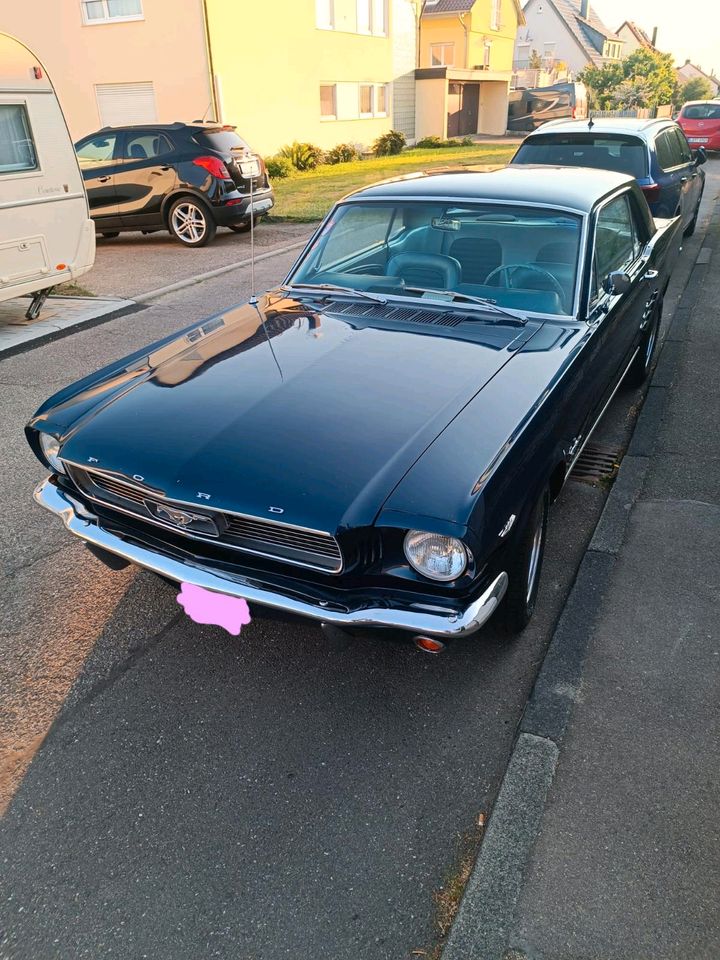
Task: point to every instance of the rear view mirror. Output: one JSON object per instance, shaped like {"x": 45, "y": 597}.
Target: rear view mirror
{"x": 617, "y": 282}
{"x": 700, "y": 156}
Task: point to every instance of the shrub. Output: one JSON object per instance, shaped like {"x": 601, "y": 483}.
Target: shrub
{"x": 389, "y": 143}
{"x": 278, "y": 167}
{"x": 467, "y": 142}
{"x": 342, "y": 153}
{"x": 430, "y": 143}
{"x": 303, "y": 156}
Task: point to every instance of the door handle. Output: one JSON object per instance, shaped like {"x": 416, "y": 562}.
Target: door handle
{"x": 650, "y": 275}
{"x": 104, "y": 179}
{"x": 683, "y": 179}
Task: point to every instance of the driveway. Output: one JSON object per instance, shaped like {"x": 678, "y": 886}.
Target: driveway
{"x": 134, "y": 263}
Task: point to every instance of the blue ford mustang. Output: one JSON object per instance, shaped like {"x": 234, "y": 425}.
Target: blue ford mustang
{"x": 376, "y": 442}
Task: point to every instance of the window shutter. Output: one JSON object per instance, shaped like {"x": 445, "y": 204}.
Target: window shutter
{"x": 121, "y": 103}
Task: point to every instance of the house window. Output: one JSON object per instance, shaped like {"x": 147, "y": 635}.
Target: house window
{"x": 442, "y": 54}
{"x": 104, "y": 11}
{"x": 549, "y": 51}
{"x": 364, "y": 16}
{"x": 17, "y": 150}
{"x": 486, "y": 54}
{"x": 325, "y": 14}
{"x": 328, "y": 100}
{"x": 495, "y": 15}
{"x": 121, "y": 103}
{"x": 381, "y": 107}
{"x": 366, "y": 100}
{"x": 379, "y": 24}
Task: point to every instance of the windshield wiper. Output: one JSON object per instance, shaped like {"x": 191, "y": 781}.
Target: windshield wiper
{"x": 332, "y": 288}
{"x": 485, "y": 302}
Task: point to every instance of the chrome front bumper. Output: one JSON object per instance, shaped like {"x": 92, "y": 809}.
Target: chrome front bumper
{"x": 425, "y": 619}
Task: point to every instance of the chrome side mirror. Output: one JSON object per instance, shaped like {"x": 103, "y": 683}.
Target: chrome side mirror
{"x": 617, "y": 282}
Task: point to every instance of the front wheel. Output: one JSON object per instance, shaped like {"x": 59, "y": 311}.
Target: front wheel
{"x": 191, "y": 222}
{"x": 524, "y": 568}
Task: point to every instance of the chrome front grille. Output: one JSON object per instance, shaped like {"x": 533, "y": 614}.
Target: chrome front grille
{"x": 267, "y": 538}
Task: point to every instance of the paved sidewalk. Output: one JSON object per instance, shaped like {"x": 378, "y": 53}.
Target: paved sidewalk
{"x": 58, "y": 314}
{"x": 605, "y": 840}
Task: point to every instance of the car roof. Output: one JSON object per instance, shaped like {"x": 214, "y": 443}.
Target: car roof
{"x": 605, "y": 125}
{"x": 574, "y": 188}
{"x": 177, "y": 125}
{"x": 693, "y": 103}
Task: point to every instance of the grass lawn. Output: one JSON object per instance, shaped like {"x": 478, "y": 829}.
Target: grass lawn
{"x": 308, "y": 196}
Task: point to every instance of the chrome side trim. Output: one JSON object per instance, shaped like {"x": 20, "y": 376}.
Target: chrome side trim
{"x": 424, "y": 619}
{"x": 54, "y": 198}
{"x": 600, "y": 415}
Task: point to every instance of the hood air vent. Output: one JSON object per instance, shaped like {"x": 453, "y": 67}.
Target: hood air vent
{"x": 373, "y": 311}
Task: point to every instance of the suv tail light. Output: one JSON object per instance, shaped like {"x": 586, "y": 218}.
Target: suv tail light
{"x": 651, "y": 191}
{"x": 213, "y": 165}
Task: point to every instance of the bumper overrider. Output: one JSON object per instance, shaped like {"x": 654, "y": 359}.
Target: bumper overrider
{"x": 420, "y": 619}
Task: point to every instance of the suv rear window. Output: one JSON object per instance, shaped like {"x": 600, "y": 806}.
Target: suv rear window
{"x": 224, "y": 141}
{"x": 701, "y": 111}
{"x": 602, "y": 151}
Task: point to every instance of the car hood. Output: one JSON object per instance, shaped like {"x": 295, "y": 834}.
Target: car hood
{"x": 308, "y": 412}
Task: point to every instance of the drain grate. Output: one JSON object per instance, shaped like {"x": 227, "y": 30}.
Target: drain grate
{"x": 595, "y": 464}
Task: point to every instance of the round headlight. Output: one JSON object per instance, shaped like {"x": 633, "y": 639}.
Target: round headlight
{"x": 50, "y": 447}
{"x": 435, "y": 556}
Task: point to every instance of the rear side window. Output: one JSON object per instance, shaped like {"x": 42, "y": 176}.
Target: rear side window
{"x": 623, "y": 154}
{"x": 146, "y": 145}
{"x": 701, "y": 111}
{"x": 683, "y": 146}
{"x": 616, "y": 243}
{"x": 224, "y": 141}
{"x": 669, "y": 153}
{"x": 17, "y": 149}
{"x": 98, "y": 150}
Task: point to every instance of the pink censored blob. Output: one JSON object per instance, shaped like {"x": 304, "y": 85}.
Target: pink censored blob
{"x": 204, "y": 606}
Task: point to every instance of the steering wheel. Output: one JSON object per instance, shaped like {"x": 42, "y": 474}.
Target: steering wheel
{"x": 507, "y": 271}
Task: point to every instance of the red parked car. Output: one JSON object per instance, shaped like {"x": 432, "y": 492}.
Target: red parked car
{"x": 700, "y": 122}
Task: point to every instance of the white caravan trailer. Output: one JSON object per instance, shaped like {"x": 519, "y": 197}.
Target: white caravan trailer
{"x": 46, "y": 234}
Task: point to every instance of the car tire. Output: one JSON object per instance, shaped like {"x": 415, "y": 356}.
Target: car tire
{"x": 110, "y": 235}
{"x": 524, "y": 568}
{"x": 642, "y": 364}
{"x": 244, "y": 226}
{"x": 191, "y": 222}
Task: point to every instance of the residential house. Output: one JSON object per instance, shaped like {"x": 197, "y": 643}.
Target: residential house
{"x": 688, "y": 71}
{"x": 466, "y": 52}
{"x": 635, "y": 38}
{"x": 325, "y": 71}
{"x": 566, "y": 30}
{"x": 118, "y": 61}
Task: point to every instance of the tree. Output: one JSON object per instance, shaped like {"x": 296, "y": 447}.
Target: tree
{"x": 632, "y": 93}
{"x": 535, "y": 60}
{"x": 648, "y": 70}
{"x": 696, "y": 89}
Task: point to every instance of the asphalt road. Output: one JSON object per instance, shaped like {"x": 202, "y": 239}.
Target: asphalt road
{"x": 178, "y": 793}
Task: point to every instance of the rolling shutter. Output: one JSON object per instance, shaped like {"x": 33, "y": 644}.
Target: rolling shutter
{"x": 122, "y": 103}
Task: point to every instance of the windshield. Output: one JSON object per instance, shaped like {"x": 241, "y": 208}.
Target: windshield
{"x": 519, "y": 257}
{"x": 620, "y": 153}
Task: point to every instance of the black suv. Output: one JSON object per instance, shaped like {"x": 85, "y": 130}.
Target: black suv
{"x": 187, "y": 178}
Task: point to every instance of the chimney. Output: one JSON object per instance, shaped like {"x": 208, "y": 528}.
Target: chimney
{"x": 654, "y": 37}
{"x": 584, "y": 4}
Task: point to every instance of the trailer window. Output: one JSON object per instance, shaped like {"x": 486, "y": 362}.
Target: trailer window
{"x": 17, "y": 150}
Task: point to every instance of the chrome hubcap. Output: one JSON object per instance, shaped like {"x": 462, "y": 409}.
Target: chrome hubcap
{"x": 534, "y": 564}
{"x": 188, "y": 222}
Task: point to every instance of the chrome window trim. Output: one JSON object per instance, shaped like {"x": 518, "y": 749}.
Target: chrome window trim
{"x": 151, "y": 493}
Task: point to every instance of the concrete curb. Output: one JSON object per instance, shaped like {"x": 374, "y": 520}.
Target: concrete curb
{"x": 210, "y": 274}
{"x": 483, "y": 925}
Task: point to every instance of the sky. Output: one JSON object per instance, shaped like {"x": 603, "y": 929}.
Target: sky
{"x": 686, "y": 28}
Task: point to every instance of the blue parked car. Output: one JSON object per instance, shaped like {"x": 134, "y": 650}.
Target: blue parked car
{"x": 655, "y": 152}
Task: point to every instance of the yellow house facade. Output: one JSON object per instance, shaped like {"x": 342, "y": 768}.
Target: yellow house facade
{"x": 322, "y": 71}
{"x": 466, "y": 58}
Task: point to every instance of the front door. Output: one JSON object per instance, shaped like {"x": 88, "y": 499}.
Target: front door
{"x": 98, "y": 164}
{"x": 463, "y": 108}
{"x": 146, "y": 177}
